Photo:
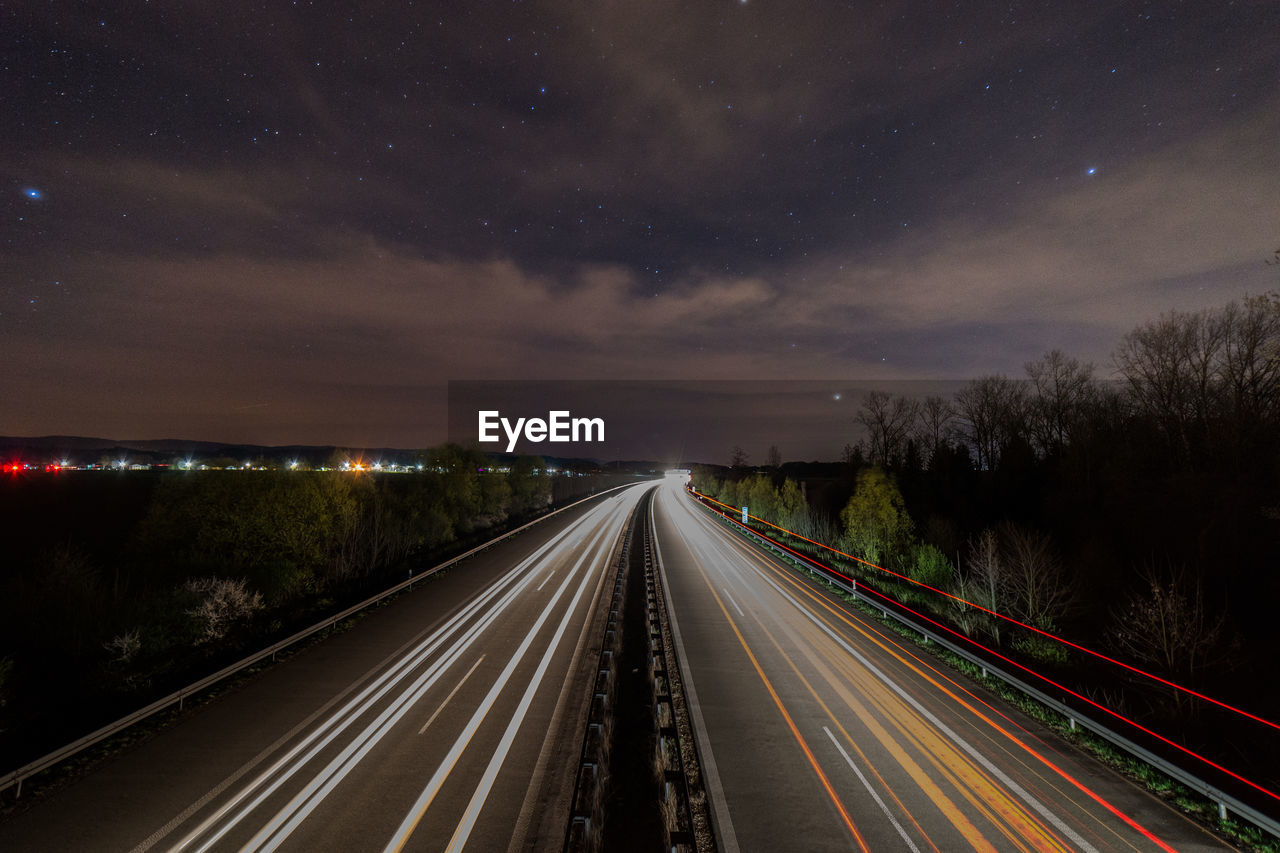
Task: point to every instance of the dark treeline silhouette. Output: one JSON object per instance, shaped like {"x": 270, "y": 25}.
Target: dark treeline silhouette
{"x": 1139, "y": 514}
{"x": 118, "y": 587}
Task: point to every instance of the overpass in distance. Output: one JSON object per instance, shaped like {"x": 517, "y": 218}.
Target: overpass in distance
{"x": 453, "y": 719}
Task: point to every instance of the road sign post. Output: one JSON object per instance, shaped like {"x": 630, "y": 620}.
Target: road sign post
{"x": 744, "y": 515}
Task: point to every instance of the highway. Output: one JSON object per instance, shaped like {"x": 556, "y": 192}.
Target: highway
{"x": 818, "y": 729}
{"x": 449, "y": 720}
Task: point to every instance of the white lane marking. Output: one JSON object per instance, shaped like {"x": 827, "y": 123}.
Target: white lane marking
{"x": 371, "y": 694}
{"x": 302, "y": 805}
{"x": 559, "y": 715}
{"x": 872, "y": 791}
{"x": 710, "y": 771}
{"x": 428, "y": 794}
{"x": 544, "y": 580}
{"x": 452, "y": 693}
{"x": 469, "y": 817}
{"x": 725, "y": 590}
{"x": 955, "y": 738}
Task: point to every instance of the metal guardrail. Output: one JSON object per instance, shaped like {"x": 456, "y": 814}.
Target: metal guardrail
{"x": 1224, "y": 801}
{"x": 16, "y": 777}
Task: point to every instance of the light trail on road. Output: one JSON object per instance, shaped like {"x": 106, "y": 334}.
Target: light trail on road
{"x": 809, "y": 709}
{"x": 450, "y": 719}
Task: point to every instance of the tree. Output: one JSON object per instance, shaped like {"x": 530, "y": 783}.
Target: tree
{"x": 1039, "y": 591}
{"x": 935, "y": 417}
{"x": 774, "y": 457}
{"x": 737, "y": 457}
{"x": 760, "y": 497}
{"x": 792, "y": 506}
{"x": 1064, "y": 388}
{"x": 931, "y": 567}
{"x": 875, "y": 519}
{"x": 888, "y": 420}
{"x": 1167, "y": 364}
{"x": 1209, "y": 379}
{"x": 991, "y": 411}
{"x": 986, "y": 584}
{"x": 1166, "y": 626}
{"x": 1249, "y": 368}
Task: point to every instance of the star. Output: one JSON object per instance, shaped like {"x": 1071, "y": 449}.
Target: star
{"x": 1092, "y": 170}
{"x": 33, "y": 193}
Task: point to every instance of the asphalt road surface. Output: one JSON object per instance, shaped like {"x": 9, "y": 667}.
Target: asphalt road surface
{"x": 450, "y": 719}
{"x": 820, "y": 730}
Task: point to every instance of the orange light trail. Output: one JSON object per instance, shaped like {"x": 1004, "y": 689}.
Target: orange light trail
{"x": 997, "y": 614}
{"x": 1015, "y": 663}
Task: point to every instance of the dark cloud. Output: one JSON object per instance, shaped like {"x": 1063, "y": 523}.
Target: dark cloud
{"x": 306, "y": 206}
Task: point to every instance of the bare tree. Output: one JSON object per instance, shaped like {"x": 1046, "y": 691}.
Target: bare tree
{"x": 888, "y": 420}
{"x": 1039, "y": 589}
{"x": 1168, "y": 365}
{"x": 737, "y": 457}
{"x": 986, "y": 583}
{"x": 991, "y": 412}
{"x": 935, "y": 420}
{"x": 1166, "y": 626}
{"x": 1064, "y": 388}
{"x": 1194, "y": 372}
{"x": 774, "y": 457}
{"x": 1249, "y": 370}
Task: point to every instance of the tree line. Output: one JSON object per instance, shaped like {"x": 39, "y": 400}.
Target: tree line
{"x": 124, "y": 585}
{"x": 1138, "y": 513}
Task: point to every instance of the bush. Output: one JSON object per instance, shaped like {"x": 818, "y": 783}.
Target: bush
{"x": 1041, "y": 648}
{"x": 222, "y": 603}
{"x": 931, "y": 567}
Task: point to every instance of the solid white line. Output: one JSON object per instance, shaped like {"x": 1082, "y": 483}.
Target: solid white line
{"x": 710, "y": 771}
{"x": 463, "y": 831}
{"x": 358, "y": 706}
{"x": 428, "y": 794}
{"x": 544, "y": 580}
{"x": 872, "y": 791}
{"x": 725, "y": 590}
{"x": 287, "y": 766}
{"x": 291, "y": 815}
{"x": 452, "y": 693}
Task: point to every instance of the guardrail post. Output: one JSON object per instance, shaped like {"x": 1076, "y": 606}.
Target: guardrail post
{"x": 1072, "y": 721}
{"x": 1222, "y": 811}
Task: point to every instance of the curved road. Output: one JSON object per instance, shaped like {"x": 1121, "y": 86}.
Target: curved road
{"x": 820, "y": 730}
{"x": 450, "y": 719}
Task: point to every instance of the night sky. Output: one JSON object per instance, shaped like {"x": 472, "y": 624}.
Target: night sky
{"x": 294, "y": 222}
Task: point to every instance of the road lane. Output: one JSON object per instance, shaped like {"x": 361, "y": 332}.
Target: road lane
{"x": 447, "y": 720}
{"x": 825, "y": 731}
